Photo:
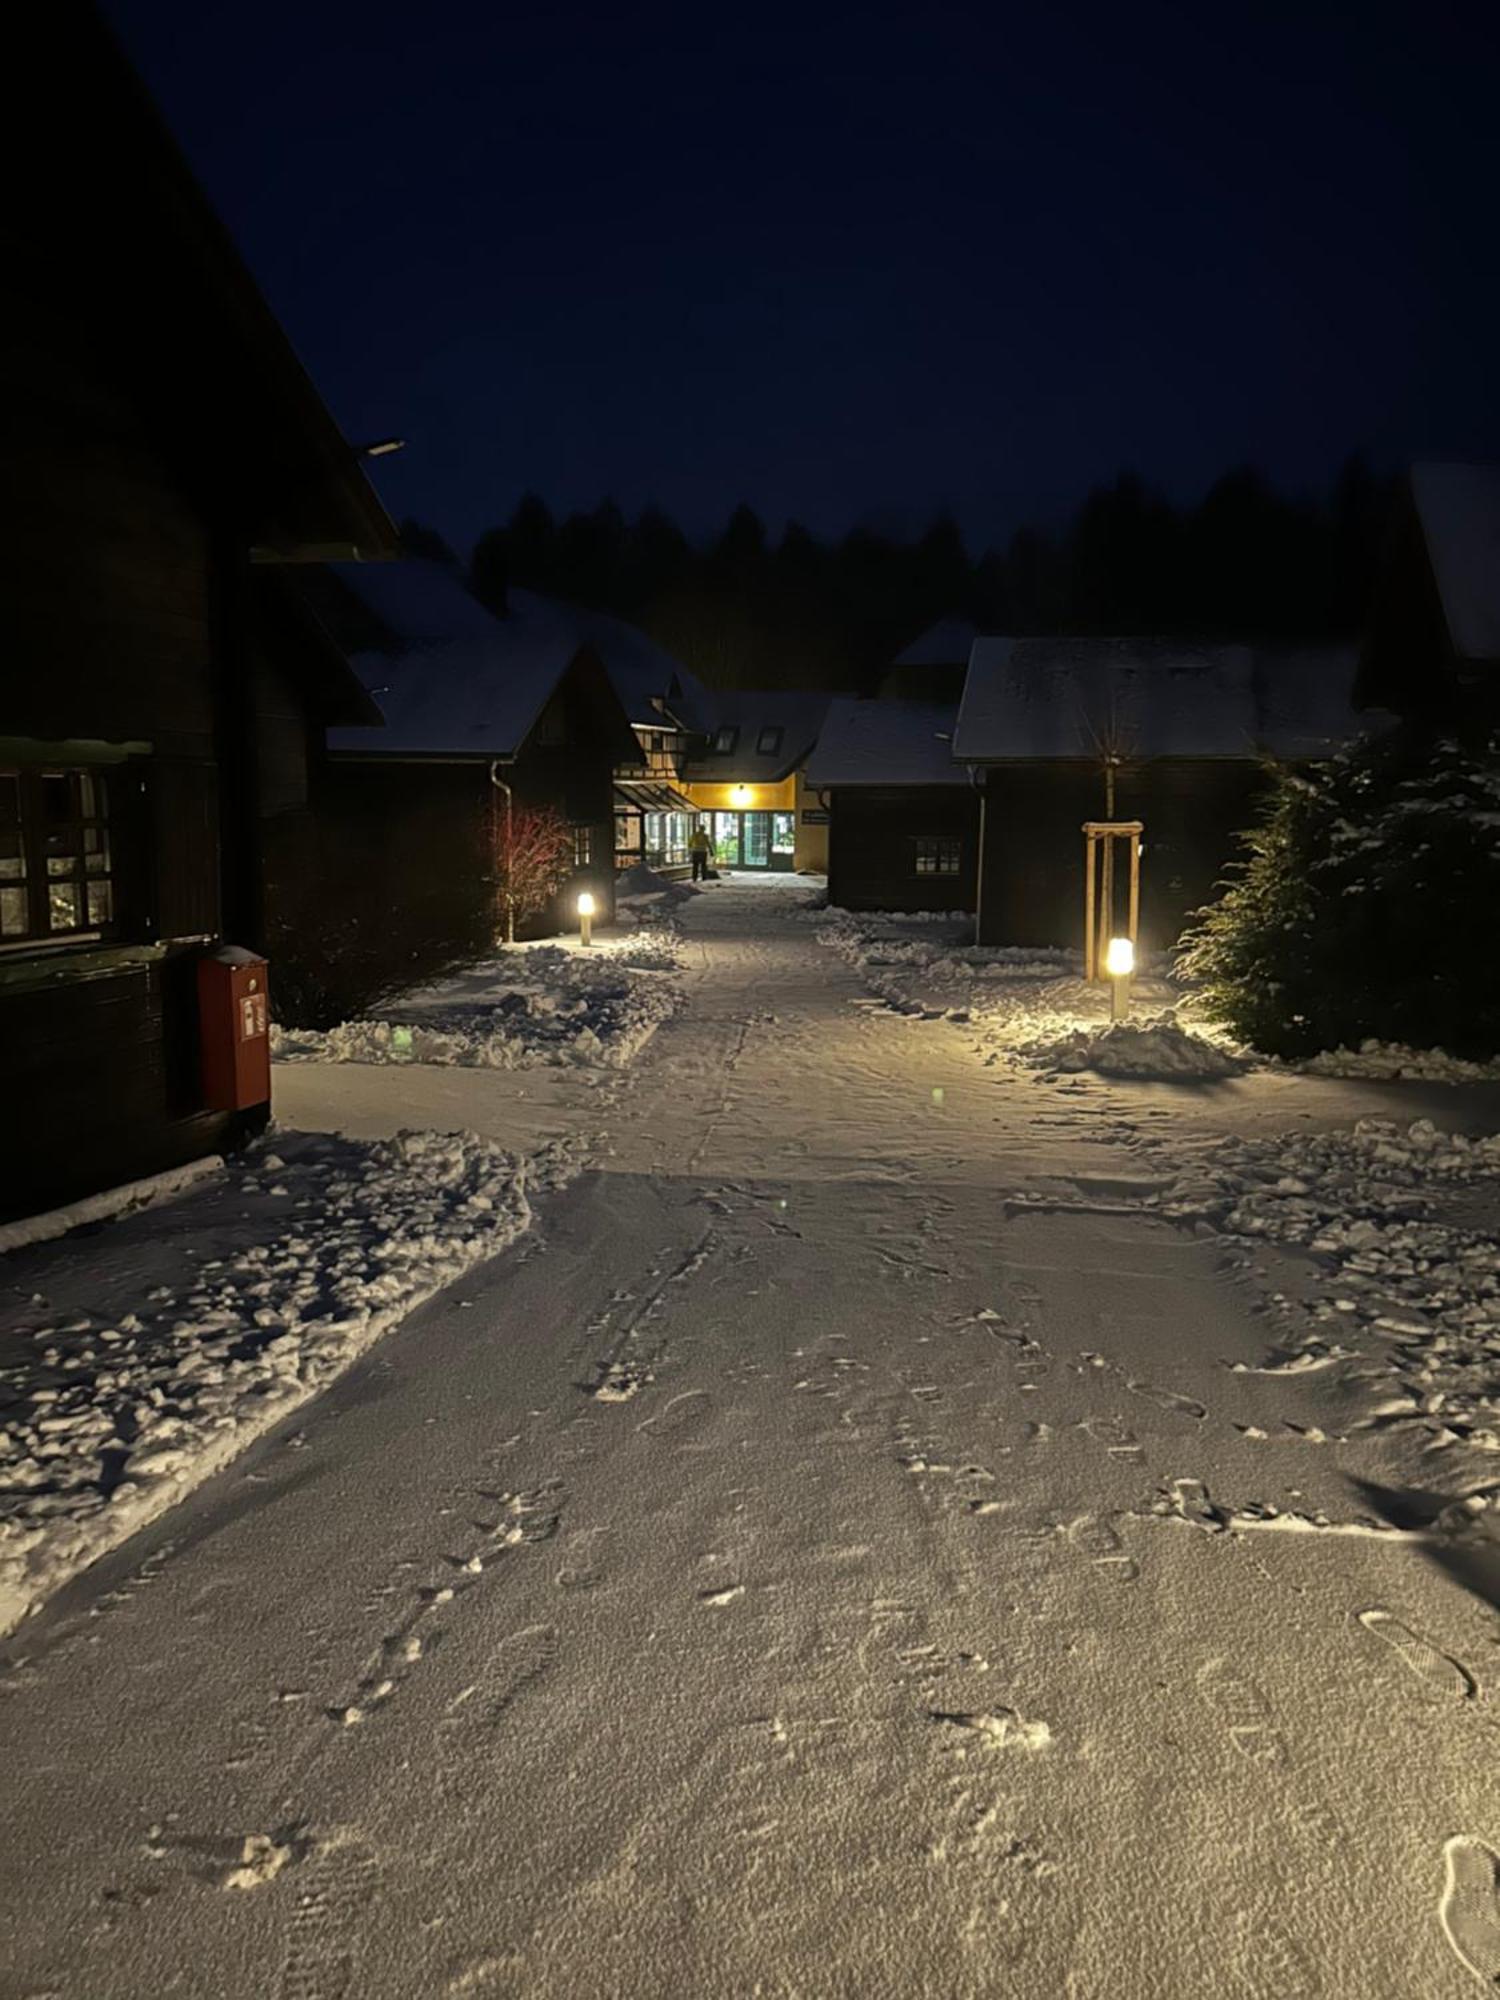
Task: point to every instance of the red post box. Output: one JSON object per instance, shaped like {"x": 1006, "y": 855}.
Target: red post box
{"x": 234, "y": 1030}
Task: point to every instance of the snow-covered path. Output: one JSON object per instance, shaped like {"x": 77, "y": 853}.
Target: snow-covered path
{"x": 818, "y": 1562}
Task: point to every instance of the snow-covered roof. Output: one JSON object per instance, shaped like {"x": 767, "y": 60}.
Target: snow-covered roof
{"x": 886, "y": 743}
{"x": 644, "y": 674}
{"x": 945, "y": 644}
{"x": 768, "y": 733}
{"x": 1459, "y": 508}
{"x": 452, "y": 679}
{"x": 1304, "y": 704}
{"x": 1073, "y": 697}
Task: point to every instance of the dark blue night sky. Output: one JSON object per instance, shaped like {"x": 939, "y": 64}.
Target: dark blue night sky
{"x": 854, "y": 264}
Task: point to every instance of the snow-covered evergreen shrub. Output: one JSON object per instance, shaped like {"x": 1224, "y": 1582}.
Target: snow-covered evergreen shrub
{"x": 1368, "y": 905}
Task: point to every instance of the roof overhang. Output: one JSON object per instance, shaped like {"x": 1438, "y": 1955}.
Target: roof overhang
{"x": 639, "y": 795}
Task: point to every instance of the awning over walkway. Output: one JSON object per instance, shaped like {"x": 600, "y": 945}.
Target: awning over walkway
{"x": 634, "y": 795}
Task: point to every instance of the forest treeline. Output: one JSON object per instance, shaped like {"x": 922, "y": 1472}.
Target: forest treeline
{"x": 747, "y": 610}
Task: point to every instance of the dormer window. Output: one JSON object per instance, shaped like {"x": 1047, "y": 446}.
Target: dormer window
{"x": 768, "y": 742}
{"x": 725, "y": 739}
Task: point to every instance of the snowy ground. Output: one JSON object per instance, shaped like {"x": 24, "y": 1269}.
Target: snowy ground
{"x": 1033, "y": 1006}
{"x": 837, "y": 1554}
{"x": 138, "y": 1361}
{"x": 528, "y": 1005}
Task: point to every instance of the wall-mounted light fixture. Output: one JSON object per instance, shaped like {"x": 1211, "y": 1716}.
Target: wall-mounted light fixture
{"x": 740, "y": 796}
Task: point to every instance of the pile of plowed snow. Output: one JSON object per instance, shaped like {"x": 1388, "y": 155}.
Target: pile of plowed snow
{"x": 1159, "y": 1048}
{"x": 528, "y": 1005}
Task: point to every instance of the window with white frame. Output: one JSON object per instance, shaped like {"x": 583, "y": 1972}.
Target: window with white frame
{"x": 937, "y": 854}
{"x": 57, "y": 857}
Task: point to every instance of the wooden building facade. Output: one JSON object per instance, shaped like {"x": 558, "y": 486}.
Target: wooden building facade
{"x": 393, "y": 872}
{"x": 745, "y": 779}
{"x": 1177, "y": 734}
{"x": 903, "y": 817}
{"x": 158, "y": 692}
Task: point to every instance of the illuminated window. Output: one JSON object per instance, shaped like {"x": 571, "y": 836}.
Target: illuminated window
{"x": 768, "y": 742}
{"x": 583, "y": 846}
{"x": 56, "y": 859}
{"x": 936, "y": 855}
{"x": 725, "y": 740}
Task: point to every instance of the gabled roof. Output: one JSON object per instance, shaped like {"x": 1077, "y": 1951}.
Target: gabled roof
{"x": 885, "y": 743}
{"x": 653, "y": 686}
{"x": 1061, "y": 698}
{"x": 786, "y": 721}
{"x": 945, "y": 644}
{"x": 451, "y": 679}
{"x": 1459, "y": 510}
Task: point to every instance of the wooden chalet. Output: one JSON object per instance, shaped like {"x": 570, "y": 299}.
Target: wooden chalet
{"x": 903, "y": 829}
{"x": 165, "y": 457}
{"x": 745, "y": 780}
{"x": 397, "y": 875}
{"x": 1176, "y": 735}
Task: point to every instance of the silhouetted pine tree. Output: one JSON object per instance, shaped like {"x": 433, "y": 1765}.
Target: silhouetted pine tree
{"x": 1246, "y": 560}
{"x": 417, "y": 539}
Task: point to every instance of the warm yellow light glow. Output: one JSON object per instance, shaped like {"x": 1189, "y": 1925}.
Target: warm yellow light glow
{"x": 585, "y": 904}
{"x": 740, "y": 795}
{"x": 1119, "y": 960}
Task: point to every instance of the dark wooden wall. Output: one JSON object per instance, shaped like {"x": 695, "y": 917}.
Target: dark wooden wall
{"x": 1033, "y": 869}
{"x": 109, "y": 589}
{"x": 388, "y": 877}
{"x": 870, "y": 847}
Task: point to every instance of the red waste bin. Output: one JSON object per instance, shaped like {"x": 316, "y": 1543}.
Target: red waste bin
{"x": 234, "y": 1030}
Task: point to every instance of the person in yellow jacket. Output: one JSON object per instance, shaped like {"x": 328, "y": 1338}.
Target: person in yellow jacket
{"x": 700, "y": 847}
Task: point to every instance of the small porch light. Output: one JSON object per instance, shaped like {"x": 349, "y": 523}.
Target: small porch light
{"x": 1119, "y": 963}
{"x": 740, "y": 796}
{"x": 585, "y": 918}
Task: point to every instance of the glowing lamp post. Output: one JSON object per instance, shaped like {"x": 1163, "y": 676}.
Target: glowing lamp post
{"x": 585, "y": 918}
{"x": 1119, "y": 963}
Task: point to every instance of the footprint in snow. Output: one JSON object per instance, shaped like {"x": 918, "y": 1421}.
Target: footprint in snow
{"x": 682, "y": 1413}
{"x": 1094, "y": 1536}
{"x": 583, "y": 1555}
{"x": 334, "y": 1889}
{"x": 1241, "y": 1705}
{"x": 1116, "y": 1437}
{"x": 1438, "y": 1671}
{"x": 1469, "y": 1909}
{"x": 1168, "y": 1399}
{"x": 1270, "y": 1961}
{"x": 516, "y": 1665}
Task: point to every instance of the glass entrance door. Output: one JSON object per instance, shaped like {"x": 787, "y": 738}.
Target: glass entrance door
{"x": 753, "y": 839}
{"x": 727, "y": 840}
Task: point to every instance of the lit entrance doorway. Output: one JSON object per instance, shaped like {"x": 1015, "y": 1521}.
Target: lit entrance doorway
{"x": 755, "y": 840}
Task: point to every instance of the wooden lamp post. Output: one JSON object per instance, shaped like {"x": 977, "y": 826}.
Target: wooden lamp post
{"x": 1101, "y": 838}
